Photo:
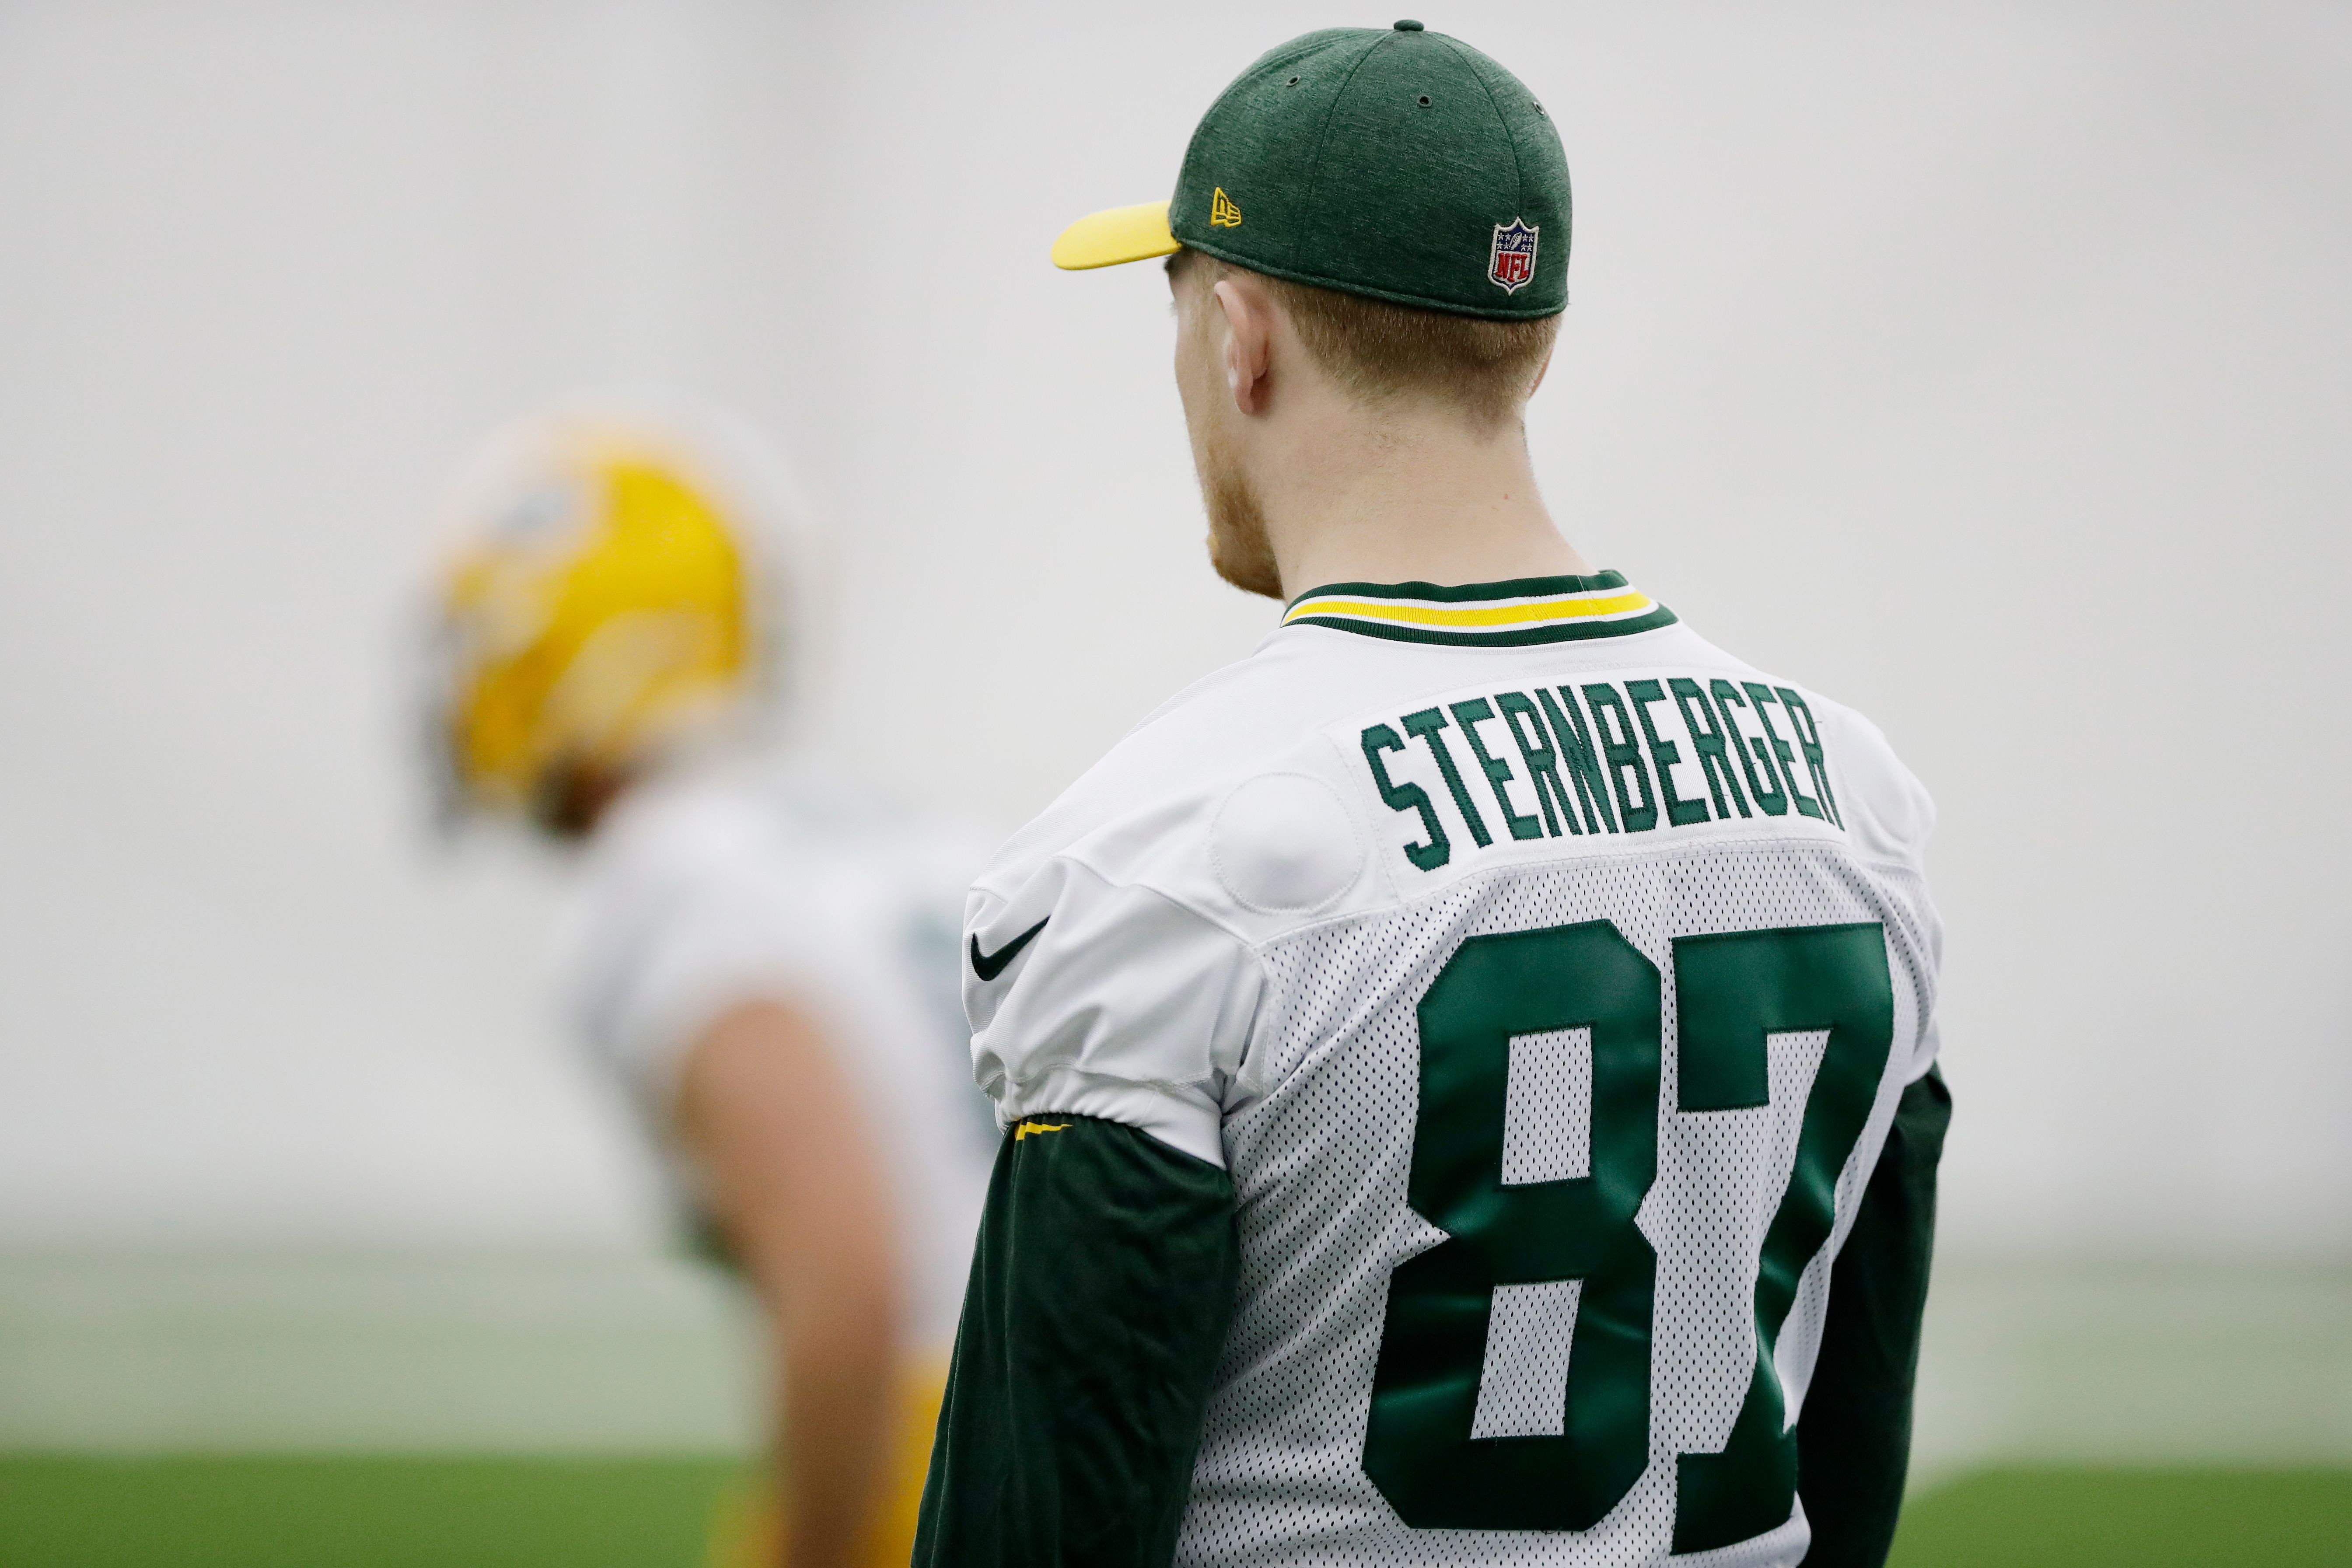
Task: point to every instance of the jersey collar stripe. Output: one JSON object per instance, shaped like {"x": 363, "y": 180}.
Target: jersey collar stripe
{"x": 1513, "y": 613}
{"x": 1517, "y": 613}
{"x": 1472, "y": 593}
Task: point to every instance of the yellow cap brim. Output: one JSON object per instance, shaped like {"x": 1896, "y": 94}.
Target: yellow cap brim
{"x": 1117, "y": 234}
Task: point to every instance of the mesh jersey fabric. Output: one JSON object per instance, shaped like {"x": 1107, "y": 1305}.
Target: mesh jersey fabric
{"x": 1241, "y": 916}
{"x": 740, "y": 884}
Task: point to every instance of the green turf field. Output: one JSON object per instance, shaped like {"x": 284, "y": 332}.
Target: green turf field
{"x": 361, "y": 1512}
{"x": 2132, "y": 1518}
{"x": 598, "y": 1412}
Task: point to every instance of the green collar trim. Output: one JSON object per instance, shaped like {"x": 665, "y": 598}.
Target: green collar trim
{"x": 1514, "y": 614}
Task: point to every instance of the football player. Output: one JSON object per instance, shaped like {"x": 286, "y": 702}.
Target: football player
{"x": 1469, "y": 1069}
{"x": 764, "y": 958}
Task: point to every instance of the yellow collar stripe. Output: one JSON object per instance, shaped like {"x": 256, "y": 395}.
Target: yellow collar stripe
{"x": 1427, "y": 615}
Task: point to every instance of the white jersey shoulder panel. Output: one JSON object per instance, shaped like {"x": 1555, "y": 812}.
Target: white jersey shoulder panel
{"x": 1138, "y": 897}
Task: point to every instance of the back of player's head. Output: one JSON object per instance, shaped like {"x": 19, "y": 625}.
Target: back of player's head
{"x": 1483, "y": 370}
{"x": 603, "y": 599}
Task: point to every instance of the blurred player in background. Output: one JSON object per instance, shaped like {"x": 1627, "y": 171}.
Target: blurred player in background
{"x": 766, "y": 961}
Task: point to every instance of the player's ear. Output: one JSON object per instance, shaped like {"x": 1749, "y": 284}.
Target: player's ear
{"x": 1249, "y": 338}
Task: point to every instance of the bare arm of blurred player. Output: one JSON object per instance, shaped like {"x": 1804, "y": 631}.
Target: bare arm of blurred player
{"x": 797, "y": 1184}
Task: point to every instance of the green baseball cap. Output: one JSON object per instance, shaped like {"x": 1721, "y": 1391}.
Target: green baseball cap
{"x": 1398, "y": 164}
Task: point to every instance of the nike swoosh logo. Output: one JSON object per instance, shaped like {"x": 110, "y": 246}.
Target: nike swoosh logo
{"x": 989, "y": 965}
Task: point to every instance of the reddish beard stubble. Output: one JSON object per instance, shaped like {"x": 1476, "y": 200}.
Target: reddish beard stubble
{"x": 1238, "y": 546}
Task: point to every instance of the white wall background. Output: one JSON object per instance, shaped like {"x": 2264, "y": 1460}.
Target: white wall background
{"x": 1987, "y": 368}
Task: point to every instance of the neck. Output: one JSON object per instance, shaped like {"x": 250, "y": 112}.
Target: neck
{"x": 1412, "y": 496}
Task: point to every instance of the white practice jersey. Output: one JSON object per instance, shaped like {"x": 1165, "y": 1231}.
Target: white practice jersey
{"x": 709, "y": 892}
{"x": 1546, "y": 979}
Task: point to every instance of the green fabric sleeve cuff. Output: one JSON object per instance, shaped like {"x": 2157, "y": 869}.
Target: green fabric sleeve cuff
{"x": 1101, "y": 1288}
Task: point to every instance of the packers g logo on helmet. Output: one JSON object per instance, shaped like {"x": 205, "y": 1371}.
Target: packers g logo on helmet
{"x": 598, "y": 607}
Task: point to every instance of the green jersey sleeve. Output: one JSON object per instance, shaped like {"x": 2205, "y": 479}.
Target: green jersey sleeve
{"x": 1854, "y": 1440}
{"x": 1101, "y": 1288}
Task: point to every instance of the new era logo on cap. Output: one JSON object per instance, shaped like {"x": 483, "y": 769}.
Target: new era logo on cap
{"x": 1222, "y": 213}
{"x": 1511, "y": 264}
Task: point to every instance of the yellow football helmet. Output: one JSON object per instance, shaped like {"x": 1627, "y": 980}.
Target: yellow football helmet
{"x": 599, "y": 604}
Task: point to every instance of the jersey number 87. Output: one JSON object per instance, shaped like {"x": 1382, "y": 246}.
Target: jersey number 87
{"x": 1732, "y": 990}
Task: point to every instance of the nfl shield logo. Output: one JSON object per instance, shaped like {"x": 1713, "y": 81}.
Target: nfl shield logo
{"x": 1512, "y": 263}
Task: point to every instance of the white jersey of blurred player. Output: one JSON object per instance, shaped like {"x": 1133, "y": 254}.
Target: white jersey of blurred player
{"x": 766, "y": 959}
{"x": 727, "y": 882}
